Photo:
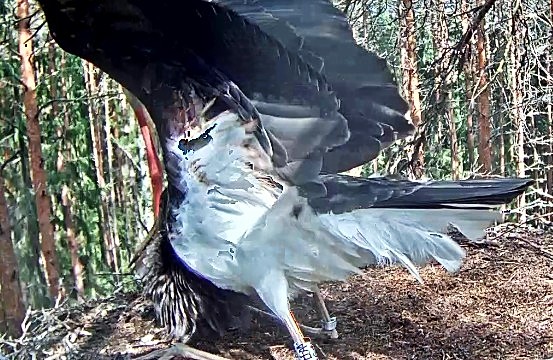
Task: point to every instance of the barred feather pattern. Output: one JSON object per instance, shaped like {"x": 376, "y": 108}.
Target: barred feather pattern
{"x": 175, "y": 305}
{"x": 184, "y": 302}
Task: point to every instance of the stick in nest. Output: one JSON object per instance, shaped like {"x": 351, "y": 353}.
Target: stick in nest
{"x": 180, "y": 350}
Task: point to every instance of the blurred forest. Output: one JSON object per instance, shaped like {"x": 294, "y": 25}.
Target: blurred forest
{"x": 75, "y": 190}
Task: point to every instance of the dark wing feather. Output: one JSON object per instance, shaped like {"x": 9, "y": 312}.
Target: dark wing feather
{"x": 369, "y": 97}
{"x": 346, "y": 193}
{"x": 163, "y": 50}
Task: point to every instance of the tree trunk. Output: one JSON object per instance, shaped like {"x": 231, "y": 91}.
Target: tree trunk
{"x": 73, "y": 243}
{"x": 112, "y": 211}
{"x": 483, "y": 99}
{"x": 517, "y": 112}
{"x": 502, "y": 163}
{"x": 95, "y": 133}
{"x": 469, "y": 80}
{"x": 443, "y": 89}
{"x": 39, "y": 297}
{"x": 550, "y": 110}
{"x": 38, "y": 174}
{"x": 411, "y": 80}
{"x": 64, "y": 153}
{"x": 12, "y": 311}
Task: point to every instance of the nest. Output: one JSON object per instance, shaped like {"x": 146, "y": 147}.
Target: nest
{"x": 500, "y": 305}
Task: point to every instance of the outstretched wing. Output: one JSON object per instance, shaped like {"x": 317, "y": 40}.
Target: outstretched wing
{"x": 148, "y": 47}
{"x": 368, "y": 94}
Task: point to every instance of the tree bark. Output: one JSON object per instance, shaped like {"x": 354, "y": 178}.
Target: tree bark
{"x": 39, "y": 297}
{"x": 95, "y": 133}
{"x": 550, "y": 109}
{"x": 12, "y": 311}
{"x": 38, "y": 174}
{"x": 517, "y": 112}
{"x": 443, "y": 88}
{"x": 64, "y": 153}
{"x": 483, "y": 99}
{"x": 411, "y": 80}
{"x": 469, "y": 80}
{"x": 112, "y": 211}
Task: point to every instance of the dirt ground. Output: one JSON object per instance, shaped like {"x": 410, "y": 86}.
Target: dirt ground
{"x": 499, "y": 306}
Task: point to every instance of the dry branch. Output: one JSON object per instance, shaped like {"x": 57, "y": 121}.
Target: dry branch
{"x": 180, "y": 350}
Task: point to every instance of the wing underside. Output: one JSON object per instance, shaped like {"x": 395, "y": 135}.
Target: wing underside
{"x": 368, "y": 94}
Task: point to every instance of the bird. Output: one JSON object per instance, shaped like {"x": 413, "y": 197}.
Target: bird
{"x": 260, "y": 106}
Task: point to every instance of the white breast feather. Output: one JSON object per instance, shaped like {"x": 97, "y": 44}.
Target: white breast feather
{"x": 241, "y": 233}
{"x": 224, "y": 200}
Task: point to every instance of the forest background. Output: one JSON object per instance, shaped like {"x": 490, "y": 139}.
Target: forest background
{"x": 75, "y": 191}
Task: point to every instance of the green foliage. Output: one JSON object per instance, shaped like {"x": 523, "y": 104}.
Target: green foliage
{"x": 63, "y": 99}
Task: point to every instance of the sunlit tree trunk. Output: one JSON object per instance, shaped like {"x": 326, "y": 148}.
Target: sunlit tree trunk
{"x": 516, "y": 85}
{"x": 469, "y": 81}
{"x": 39, "y": 297}
{"x": 110, "y": 196}
{"x": 550, "y": 107}
{"x": 38, "y": 174}
{"x": 443, "y": 80}
{"x": 502, "y": 169}
{"x": 12, "y": 310}
{"x": 483, "y": 99}
{"x": 95, "y": 133}
{"x": 411, "y": 78}
{"x": 64, "y": 154}
{"x": 122, "y": 182}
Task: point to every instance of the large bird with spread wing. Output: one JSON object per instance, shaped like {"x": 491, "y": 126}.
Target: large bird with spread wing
{"x": 259, "y": 105}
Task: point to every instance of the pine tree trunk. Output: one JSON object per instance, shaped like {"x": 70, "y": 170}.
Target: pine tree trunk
{"x": 39, "y": 297}
{"x": 517, "y": 112}
{"x": 502, "y": 163}
{"x": 411, "y": 80}
{"x": 64, "y": 154}
{"x": 469, "y": 81}
{"x": 550, "y": 111}
{"x": 12, "y": 311}
{"x": 112, "y": 211}
{"x": 97, "y": 153}
{"x": 120, "y": 185}
{"x": 73, "y": 243}
{"x": 38, "y": 174}
{"x": 443, "y": 88}
{"x": 483, "y": 99}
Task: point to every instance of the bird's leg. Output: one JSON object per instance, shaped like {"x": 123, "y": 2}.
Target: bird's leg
{"x": 303, "y": 348}
{"x": 328, "y": 323}
{"x": 311, "y": 331}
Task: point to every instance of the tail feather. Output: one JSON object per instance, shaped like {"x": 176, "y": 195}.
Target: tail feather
{"x": 345, "y": 193}
{"x": 407, "y": 222}
{"x": 409, "y": 237}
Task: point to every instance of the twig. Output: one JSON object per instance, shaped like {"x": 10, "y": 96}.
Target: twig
{"x": 474, "y": 25}
{"x": 180, "y": 350}
{"x": 8, "y": 161}
{"x": 548, "y": 254}
{"x": 151, "y": 234}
